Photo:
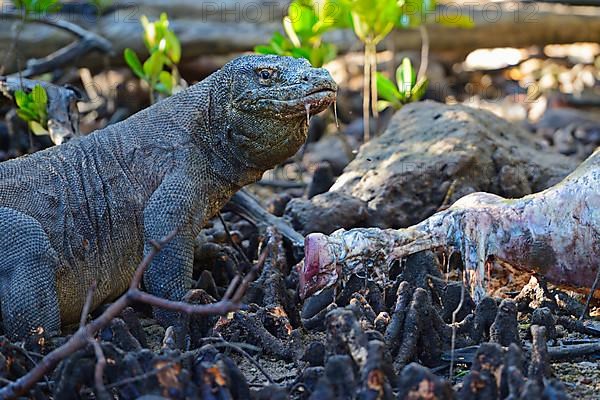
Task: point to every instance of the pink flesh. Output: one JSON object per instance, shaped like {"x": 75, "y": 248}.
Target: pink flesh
{"x": 555, "y": 233}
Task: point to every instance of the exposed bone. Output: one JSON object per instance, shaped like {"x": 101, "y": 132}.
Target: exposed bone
{"x": 554, "y": 233}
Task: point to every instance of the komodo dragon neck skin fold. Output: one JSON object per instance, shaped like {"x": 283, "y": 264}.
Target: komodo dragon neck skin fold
{"x": 87, "y": 210}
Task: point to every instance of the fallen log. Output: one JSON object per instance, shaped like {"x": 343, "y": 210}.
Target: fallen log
{"x": 554, "y": 233}
{"x": 86, "y": 42}
{"x": 230, "y": 26}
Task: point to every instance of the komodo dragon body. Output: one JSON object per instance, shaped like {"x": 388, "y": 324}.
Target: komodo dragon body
{"x": 87, "y": 210}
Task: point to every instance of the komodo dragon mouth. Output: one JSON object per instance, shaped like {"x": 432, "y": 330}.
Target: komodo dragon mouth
{"x": 311, "y": 103}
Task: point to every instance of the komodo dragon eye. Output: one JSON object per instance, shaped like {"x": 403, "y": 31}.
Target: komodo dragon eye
{"x": 265, "y": 74}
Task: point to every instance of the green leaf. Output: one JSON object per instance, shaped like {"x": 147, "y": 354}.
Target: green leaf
{"x": 134, "y": 62}
{"x": 302, "y": 52}
{"x": 38, "y": 6}
{"x": 373, "y": 20}
{"x": 264, "y": 49}
{"x": 166, "y": 79}
{"x": 386, "y": 89}
{"x": 26, "y": 115}
{"x": 405, "y": 76}
{"x": 302, "y": 17}
{"x": 150, "y": 39}
{"x": 39, "y": 96}
{"x": 383, "y": 104}
{"x": 288, "y": 27}
{"x": 48, "y": 6}
{"x": 21, "y": 98}
{"x": 163, "y": 20}
{"x": 278, "y": 39}
{"x": 281, "y": 44}
{"x": 456, "y": 21}
{"x": 37, "y": 129}
{"x": 329, "y": 51}
{"x": 332, "y": 14}
{"x": 153, "y": 65}
{"x": 419, "y": 90}
{"x": 173, "y": 47}
{"x": 158, "y": 37}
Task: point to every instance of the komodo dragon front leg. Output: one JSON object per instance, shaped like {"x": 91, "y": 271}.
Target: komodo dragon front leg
{"x": 170, "y": 208}
{"x": 27, "y": 261}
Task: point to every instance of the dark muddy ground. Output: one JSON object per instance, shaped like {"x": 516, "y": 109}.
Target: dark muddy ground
{"x": 366, "y": 341}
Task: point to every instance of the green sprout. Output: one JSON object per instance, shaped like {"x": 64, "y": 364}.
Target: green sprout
{"x": 32, "y": 108}
{"x": 372, "y": 22}
{"x": 304, "y": 26}
{"x": 407, "y": 88}
{"x": 165, "y": 51}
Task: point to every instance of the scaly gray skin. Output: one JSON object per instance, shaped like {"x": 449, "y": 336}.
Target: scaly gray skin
{"x": 87, "y": 210}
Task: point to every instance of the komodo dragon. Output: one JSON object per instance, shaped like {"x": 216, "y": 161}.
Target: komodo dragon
{"x": 88, "y": 209}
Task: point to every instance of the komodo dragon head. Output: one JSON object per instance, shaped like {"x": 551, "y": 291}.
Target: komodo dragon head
{"x": 272, "y": 99}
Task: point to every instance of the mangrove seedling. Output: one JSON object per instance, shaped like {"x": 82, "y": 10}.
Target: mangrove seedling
{"x": 32, "y": 108}
{"x": 304, "y": 26}
{"x": 407, "y": 89}
{"x": 165, "y": 51}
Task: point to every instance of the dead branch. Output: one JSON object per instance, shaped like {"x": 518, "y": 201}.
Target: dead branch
{"x": 245, "y": 205}
{"x": 88, "y": 42}
{"x": 233, "y": 243}
{"x": 591, "y": 295}
{"x": 100, "y": 359}
{"x": 223, "y": 343}
{"x": 229, "y": 303}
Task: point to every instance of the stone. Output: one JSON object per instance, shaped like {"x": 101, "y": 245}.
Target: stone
{"x": 432, "y": 154}
{"x": 326, "y": 213}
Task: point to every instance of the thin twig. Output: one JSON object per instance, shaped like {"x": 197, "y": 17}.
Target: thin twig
{"x": 250, "y": 276}
{"x": 99, "y": 370}
{"x": 424, "y": 53}
{"x": 591, "y": 295}
{"x": 61, "y": 24}
{"x": 88, "y": 304}
{"x": 18, "y": 28}
{"x": 366, "y": 94}
{"x": 224, "y": 343}
{"x": 234, "y": 244}
{"x": 100, "y": 359}
{"x": 454, "y": 315}
{"x": 373, "y": 61}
